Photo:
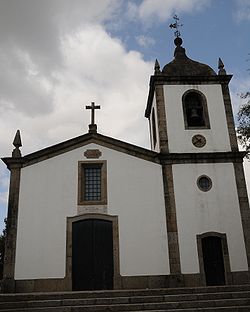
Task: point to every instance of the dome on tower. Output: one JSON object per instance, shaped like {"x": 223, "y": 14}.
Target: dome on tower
{"x": 184, "y": 66}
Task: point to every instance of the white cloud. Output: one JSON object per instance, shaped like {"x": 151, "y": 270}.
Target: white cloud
{"x": 242, "y": 10}
{"x": 145, "y": 41}
{"x": 23, "y": 87}
{"x": 36, "y": 25}
{"x": 98, "y": 68}
{"x": 95, "y": 67}
{"x": 162, "y": 10}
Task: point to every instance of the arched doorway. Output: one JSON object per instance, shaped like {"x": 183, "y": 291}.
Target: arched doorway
{"x": 213, "y": 259}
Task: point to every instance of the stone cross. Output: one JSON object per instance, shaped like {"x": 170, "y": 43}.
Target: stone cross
{"x": 93, "y": 107}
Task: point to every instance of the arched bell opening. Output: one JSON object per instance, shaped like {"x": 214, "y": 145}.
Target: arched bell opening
{"x": 195, "y": 110}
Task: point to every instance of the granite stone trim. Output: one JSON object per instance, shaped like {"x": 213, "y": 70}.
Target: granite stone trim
{"x": 234, "y": 278}
{"x": 191, "y": 79}
{"x": 160, "y": 158}
{"x": 148, "y": 155}
{"x": 12, "y": 219}
{"x": 244, "y": 206}
{"x": 92, "y": 153}
{"x": 229, "y": 117}
{"x": 128, "y": 282}
{"x": 116, "y": 252}
{"x": 161, "y": 118}
{"x": 214, "y": 157}
{"x": 222, "y": 236}
{"x": 42, "y": 285}
{"x": 172, "y": 230}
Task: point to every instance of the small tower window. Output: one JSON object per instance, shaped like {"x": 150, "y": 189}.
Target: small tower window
{"x": 195, "y": 110}
{"x": 154, "y": 128}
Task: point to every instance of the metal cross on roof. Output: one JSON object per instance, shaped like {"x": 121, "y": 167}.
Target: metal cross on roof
{"x": 176, "y": 26}
{"x": 93, "y": 107}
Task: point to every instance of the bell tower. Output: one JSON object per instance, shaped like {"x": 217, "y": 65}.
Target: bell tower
{"x": 196, "y": 102}
{"x": 192, "y": 128}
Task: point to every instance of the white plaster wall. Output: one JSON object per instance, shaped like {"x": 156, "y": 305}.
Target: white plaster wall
{"x": 157, "y": 145}
{"x": 180, "y": 139}
{"x": 199, "y": 212}
{"x": 48, "y": 194}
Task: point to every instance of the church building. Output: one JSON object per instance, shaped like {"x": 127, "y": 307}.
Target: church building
{"x": 95, "y": 213}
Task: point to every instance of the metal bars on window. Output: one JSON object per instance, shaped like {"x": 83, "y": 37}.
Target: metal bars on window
{"x": 92, "y": 183}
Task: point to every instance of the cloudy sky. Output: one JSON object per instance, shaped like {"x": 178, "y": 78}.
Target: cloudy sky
{"x": 56, "y": 56}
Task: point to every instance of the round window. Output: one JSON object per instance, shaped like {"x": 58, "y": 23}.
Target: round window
{"x": 204, "y": 183}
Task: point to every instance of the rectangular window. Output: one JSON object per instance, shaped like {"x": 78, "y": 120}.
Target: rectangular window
{"x": 92, "y": 183}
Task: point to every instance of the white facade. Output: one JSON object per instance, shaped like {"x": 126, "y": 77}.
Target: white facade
{"x": 179, "y": 138}
{"x": 199, "y": 212}
{"x": 48, "y": 195}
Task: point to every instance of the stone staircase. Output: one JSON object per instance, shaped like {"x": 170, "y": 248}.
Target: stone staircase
{"x": 207, "y": 299}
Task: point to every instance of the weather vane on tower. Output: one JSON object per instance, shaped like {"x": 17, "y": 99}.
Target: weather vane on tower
{"x": 176, "y": 26}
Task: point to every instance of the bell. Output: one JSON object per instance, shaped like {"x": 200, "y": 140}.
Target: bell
{"x": 194, "y": 114}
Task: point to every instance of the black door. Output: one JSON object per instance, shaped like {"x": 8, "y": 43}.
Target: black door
{"x": 92, "y": 255}
{"x": 213, "y": 260}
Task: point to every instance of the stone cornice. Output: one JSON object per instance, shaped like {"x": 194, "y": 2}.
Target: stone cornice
{"x": 182, "y": 80}
{"x": 13, "y": 162}
{"x": 126, "y": 148}
{"x": 123, "y": 147}
{"x": 214, "y": 157}
{"x": 77, "y": 142}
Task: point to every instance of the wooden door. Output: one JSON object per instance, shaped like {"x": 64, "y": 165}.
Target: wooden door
{"x": 92, "y": 255}
{"x": 213, "y": 260}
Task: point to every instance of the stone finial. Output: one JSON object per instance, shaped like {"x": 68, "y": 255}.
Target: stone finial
{"x": 222, "y": 71}
{"x": 157, "y": 67}
{"x": 17, "y": 143}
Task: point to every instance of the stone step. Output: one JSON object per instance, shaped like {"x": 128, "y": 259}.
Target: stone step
{"x": 123, "y": 300}
{"x": 220, "y": 309}
{"x": 120, "y": 293}
{"x": 217, "y": 299}
{"x": 80, "y": 309}
{"x": 162, "y": 306}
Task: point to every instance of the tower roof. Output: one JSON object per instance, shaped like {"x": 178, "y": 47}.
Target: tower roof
{"x": 184, "y": 66}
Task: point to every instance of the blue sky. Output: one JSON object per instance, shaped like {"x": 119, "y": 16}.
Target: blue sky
{"x": 56, "y": 56}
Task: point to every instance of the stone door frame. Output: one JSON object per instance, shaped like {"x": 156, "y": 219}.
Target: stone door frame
{"x": 116, "y": 260}
{"x": 225, "y": 254}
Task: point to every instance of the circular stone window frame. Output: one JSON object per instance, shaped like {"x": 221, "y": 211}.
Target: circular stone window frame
{"x": 209, "y": 180}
